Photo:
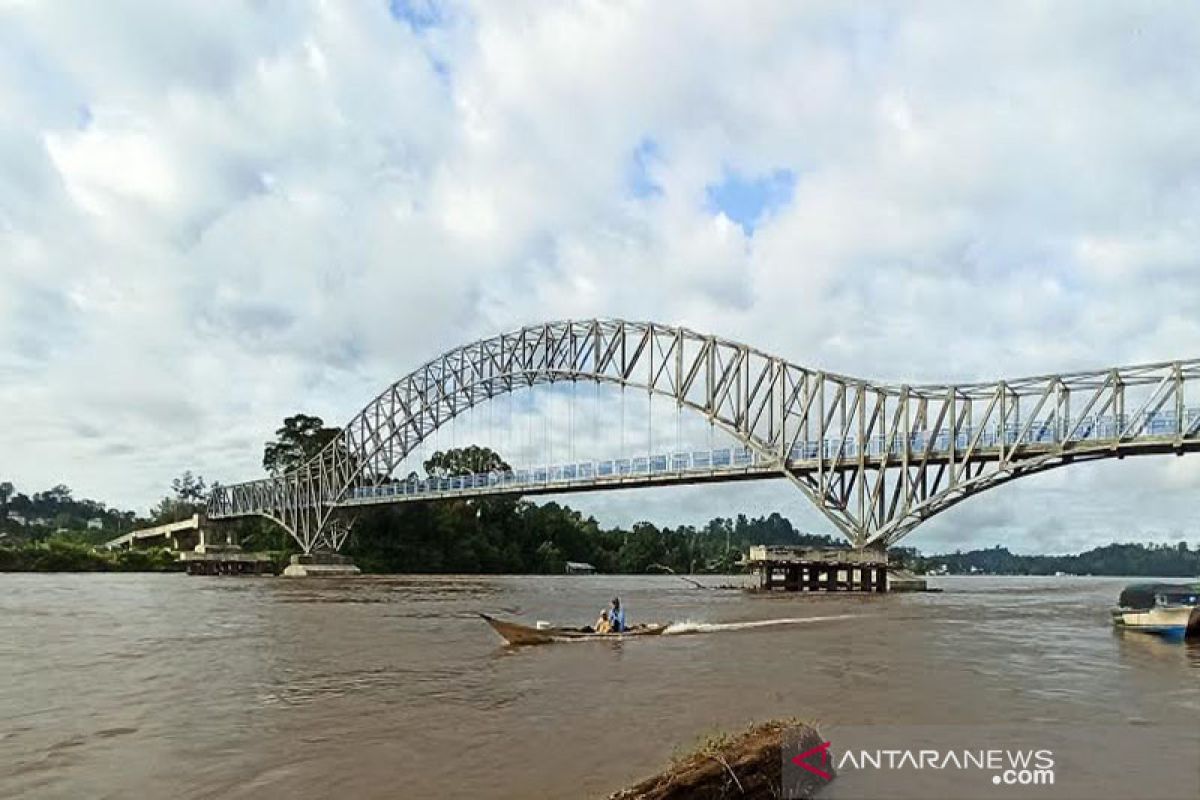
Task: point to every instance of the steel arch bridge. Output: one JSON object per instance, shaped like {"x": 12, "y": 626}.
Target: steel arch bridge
{"x": 877, "y": 459}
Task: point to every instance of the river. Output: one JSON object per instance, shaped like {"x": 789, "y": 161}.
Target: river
{"x": 167, "y": 686}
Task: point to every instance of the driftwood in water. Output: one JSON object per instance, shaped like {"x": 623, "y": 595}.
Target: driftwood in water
{"x": 747, "y": 766}
{"x": 719, "y": 587}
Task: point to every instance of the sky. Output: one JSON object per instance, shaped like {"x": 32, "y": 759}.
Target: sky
{"x": 216, "y": 214}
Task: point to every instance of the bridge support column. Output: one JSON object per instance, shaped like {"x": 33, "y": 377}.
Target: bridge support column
{"x": 800, "y": 569}
{"x": 326, "y": 565}
{"x": 791, "y": 583}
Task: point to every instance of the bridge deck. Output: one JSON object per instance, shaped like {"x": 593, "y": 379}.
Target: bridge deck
{"x": 1163, "y": 435}
{"x": 158, "y": 531}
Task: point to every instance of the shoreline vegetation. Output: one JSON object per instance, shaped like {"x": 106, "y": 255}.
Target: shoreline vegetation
{"x": 1111, "y": 560}
{"x": 63, "y": 555}
{"x": 644, "y": 550}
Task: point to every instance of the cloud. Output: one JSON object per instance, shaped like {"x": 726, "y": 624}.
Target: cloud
{"x": 215, "y": 215}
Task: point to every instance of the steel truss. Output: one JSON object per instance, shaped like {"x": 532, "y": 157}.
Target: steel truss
{"x": 888, "y": 458}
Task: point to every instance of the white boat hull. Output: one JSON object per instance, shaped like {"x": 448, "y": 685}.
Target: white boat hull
{"x": 1166, "y": 621}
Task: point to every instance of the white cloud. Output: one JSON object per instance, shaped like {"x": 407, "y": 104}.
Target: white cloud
{"x": 213, "y": 215}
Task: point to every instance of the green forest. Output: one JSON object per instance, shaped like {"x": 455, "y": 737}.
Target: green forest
{"x": 51, "y": 530}
{"x": 1161, "y": 560}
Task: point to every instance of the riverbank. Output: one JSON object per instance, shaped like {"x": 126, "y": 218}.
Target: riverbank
{"x": 63, "y": 556}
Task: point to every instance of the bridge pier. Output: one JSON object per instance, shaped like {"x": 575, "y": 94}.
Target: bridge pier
{"x": 215, "y": 538}
{"x": 325, "y": 565}
{"x": 797, "y": 569}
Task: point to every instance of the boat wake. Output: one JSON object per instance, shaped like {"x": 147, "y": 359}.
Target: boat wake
{"x": 687, "y": 626}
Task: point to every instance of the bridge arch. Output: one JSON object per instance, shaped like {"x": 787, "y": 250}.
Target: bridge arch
{"x": 887, "y": 457}
{"x": 717, "y": 378}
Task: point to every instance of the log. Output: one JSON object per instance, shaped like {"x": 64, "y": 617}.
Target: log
{"x": 746, "y": 766}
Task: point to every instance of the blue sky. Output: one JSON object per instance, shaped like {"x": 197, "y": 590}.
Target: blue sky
{"x": 419, "y": 14}
{"x": 641, "y": 165}
{"x": 745, "y": 199}
{"x": 213, "y": 216}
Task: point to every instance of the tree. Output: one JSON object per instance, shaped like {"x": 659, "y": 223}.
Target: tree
{"x": 189, "y": 497}
{"x": 6, "y": 491}
{"x": 471, "y": 460}
{"x": 301, "y": 437}
{"x": 550, "y": 559}
{"x": 21, "y": 503}
{"x": 189, "y": 488}
{"x": 57, "y": 496}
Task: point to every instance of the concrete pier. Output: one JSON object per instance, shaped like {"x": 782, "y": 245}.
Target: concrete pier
{"x": 801, "y": 569}
{"x": 904, "y": 581}
{"x": 226, "y": 560}
{"x": 320, "y": 565}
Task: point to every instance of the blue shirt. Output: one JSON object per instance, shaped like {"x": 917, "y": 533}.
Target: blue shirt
{"x": 617, "y": 619}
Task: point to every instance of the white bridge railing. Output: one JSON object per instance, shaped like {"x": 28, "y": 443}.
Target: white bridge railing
{"x": 1155, "y": 426}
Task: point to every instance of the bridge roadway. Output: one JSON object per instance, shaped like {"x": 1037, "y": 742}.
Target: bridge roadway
{"x": 1162, "y": 433}
{"x": 168, "y": 531}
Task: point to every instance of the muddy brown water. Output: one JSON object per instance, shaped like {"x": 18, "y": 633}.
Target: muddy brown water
{"x": 176, "y": 687}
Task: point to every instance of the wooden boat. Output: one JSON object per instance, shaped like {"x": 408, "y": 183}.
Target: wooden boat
{"x": 514, "y": 633}
{"x": 1166, "y": 609}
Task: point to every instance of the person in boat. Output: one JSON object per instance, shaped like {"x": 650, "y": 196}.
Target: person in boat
{"x": 602, "y": 624}
{"x": 616, "y": 617}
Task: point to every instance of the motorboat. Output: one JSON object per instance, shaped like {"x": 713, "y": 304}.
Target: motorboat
{"x": 1166, "y": 609}
{"x": 544, "y": 633}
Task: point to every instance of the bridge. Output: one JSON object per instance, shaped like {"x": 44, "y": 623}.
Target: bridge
{"x": 179, "y": 535}
{"x": 876, "y": 459}
{"x": 192, "y": 540}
